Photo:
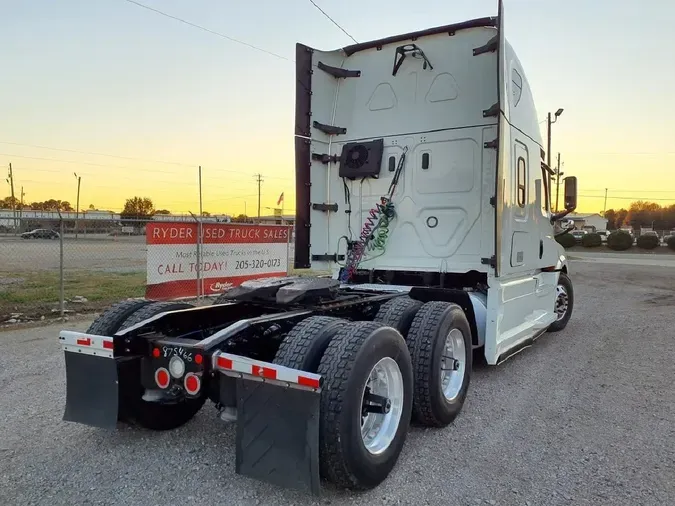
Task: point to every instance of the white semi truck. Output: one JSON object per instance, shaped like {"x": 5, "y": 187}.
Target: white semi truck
{"x": 421, "y": 186}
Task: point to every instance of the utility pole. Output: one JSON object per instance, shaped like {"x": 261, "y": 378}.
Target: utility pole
{"x": 260, "y": 180}
{"x": 548, "y": 143}
{"x": 21, "y": 209}
{"x": 11, "y": 184}
{"x": 201, "y": 212}
{"x": 77, "y": 209}
{"x": 557, "y": 184}
{"x": 605, "y": 210}
{"x": 549, "y": 122}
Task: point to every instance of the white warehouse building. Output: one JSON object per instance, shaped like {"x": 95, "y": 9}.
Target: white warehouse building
{"x": 591, "y": 222}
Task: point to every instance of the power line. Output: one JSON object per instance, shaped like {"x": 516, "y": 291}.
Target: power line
{"x": 232, "y": 39}
{"x": 118, "y": 166}
{"x": 622, "y": 153}
{"x": 333, "y": 21}
{"x": 128, "y": 178}
{"x": 94, "y": 153}
{"x": 621, "y": 198}
{"x": 632, "y": 191}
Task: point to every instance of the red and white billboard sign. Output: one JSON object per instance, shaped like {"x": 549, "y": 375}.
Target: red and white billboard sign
{"x": 229, "y": 255}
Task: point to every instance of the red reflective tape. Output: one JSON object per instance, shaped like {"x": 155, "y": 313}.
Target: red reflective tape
{"x": 108, "y": 345}
{"x": 224, "y": 363}
{"x": 84, "y": 342}
{"x": 265, "y": 372}
{"x": 308, "y": 382}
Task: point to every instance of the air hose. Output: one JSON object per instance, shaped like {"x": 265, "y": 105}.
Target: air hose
{"x": 375, "y": 231}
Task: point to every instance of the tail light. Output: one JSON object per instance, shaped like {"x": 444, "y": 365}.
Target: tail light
{"x": 162, "y": 377}
{"x": 192, "y": 383}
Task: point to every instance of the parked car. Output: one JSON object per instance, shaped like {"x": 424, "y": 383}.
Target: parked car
{"x": 578, "y": 234}
{"x": 40, "y": 233}
{"x": 603, "y": 235}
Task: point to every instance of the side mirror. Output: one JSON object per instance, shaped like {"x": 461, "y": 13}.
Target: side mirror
{"x": 563, "y": 227}
{"x": 570, "y": 193}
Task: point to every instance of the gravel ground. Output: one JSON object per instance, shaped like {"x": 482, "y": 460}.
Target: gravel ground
{"x": 584, "y": 417}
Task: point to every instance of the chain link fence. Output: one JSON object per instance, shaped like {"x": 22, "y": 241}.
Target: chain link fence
{"x": 51, "y": 272}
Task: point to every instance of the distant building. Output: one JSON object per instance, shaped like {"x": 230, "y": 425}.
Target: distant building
{"x": 87, "y": 219}
{"x": 591, "y": 222}
{"x": 276, "y": 219}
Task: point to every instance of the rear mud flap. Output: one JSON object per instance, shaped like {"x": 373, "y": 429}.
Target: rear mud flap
{"x": 92, "y": 390}
{"x": 278, "y": 435}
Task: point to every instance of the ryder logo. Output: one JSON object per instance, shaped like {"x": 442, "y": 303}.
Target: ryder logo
{"x": 220, "y": 287}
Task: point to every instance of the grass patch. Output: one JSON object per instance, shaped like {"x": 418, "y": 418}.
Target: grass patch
{"x": 37, "y": 293}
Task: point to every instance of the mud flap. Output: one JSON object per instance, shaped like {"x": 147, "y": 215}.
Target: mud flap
{"x": 92, "y": 390}
{"x": 278, "y": 435}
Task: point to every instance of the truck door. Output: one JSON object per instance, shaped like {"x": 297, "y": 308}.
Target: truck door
{"x": 520, "y": 300}
{"x": 518, "y": 156}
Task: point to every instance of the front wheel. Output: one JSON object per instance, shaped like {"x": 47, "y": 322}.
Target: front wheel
{"x": 564, "y": 303}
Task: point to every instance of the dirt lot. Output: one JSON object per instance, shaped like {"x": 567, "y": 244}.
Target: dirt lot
{"x": 120, "y": 254}
{"x": 585, "y": 417}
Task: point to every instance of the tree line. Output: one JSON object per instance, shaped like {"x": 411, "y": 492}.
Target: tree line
{"x": 140, "y": 207}
{"x": 642, "y": 214}
{"x": 47, "y": 205}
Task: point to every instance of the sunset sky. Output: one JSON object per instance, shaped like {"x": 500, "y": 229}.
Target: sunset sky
{"x": 110, "y": 77}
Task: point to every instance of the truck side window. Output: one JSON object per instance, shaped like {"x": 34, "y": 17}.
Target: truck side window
{"x": 545, "y": 180}
{"x": 521, "y": 182}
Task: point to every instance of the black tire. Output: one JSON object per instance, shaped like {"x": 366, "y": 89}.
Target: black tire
{"x": 345, "y": 367}
{"x": 151, "y": 310}
{"x": 398, "y": 313}
{"x": 305, "y": 344}
{"x": 566, "y": 282}
{"x": 110, "y": 321}
{"x": 426, "y": 342}
{"x": 154, "y": 415}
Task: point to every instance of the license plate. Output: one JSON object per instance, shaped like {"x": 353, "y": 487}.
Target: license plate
{"x": 177, "y": 351}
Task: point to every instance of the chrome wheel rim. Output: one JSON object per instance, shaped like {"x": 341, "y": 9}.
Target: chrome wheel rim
{"x": 453, "y": 364}
{"x": 378, "y": 430}
{"x": 562, "y": 302}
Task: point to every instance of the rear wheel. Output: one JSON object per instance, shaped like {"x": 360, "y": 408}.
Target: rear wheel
{"x": 440, "y": 346}
{"x": 110, "y": 321}
{"x": 151, "y": 414}
{"x": 153, "y": 309}
{"x": 366, "y": 403}
{"x": 398, "y": 313}
{"x": 305, "y": 344}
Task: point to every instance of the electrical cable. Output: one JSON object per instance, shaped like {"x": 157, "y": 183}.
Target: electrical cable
{"x": 333, "y": 21}
{"x": 375, "y": 230}
{"x": 194, "y": 25}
